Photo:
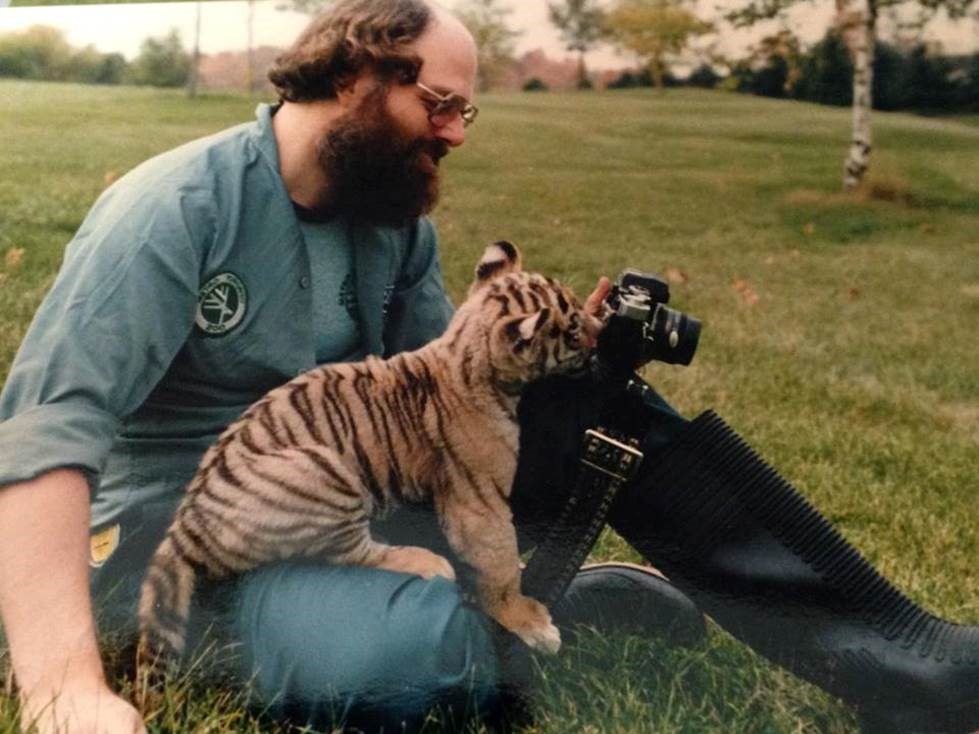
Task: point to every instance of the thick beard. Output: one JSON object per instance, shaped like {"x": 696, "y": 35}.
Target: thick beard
{"x": 376, "y": 174}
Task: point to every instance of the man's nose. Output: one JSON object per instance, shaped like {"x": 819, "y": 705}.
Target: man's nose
{"x": 453, "y": 132}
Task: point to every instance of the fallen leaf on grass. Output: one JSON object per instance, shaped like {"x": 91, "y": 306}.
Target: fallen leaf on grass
{"x": 110, "y": 177}
{"x": 853, "y": 294}
{"x": 809, "y": 229}
{"x": 927, "y": 228}
{"x": 748, "y": 295}
{"x": 675, "y": 275}
{"x": 14, "y": 257}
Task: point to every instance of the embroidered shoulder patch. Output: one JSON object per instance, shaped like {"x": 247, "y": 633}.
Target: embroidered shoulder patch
{"x": 221, "y": 304}
{"x": 102, "y": 545}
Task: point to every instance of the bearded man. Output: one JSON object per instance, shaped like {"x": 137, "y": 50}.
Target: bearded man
{"x": 219, "y": 270}
{"x": 200, "y": 280}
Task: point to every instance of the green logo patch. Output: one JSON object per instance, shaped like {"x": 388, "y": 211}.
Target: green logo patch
{"x": 221, "y": 304}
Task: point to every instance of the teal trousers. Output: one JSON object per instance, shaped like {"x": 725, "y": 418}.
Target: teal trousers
{"x": 323, "y": 645}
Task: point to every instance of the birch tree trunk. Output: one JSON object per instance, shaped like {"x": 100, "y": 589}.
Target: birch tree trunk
{"x": 864, "y": 37}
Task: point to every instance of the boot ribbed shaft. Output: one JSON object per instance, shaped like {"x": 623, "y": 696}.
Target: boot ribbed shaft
{"x": 710, "y": 481}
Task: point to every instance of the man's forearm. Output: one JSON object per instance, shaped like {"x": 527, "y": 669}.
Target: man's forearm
{"x": 45, "y": 601}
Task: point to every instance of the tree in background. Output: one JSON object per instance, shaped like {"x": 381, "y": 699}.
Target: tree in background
{"x": 655, "y": 30}
{"x": 913, "y": 76}
{"x": 40, "y": 52}
{"x": 890, "y": 77}
{"x": 487, "y": 21}
{"x": 91, "y": 66}
{"x": 783, "y": 45}
{"x": 856, "y": 23}
{"x": 162, "y": 62}
{"x": 827, "y": 73}
{"x": 969, "y": 93}
{"x": 773, "y": 67}
{"x": 43, "y": 53}
{"x": 928, "y": 79}
{"x": 580, "y": 23}
{"x": 704, "y": 76}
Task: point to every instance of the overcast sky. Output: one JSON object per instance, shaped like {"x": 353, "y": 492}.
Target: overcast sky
{"x": 123, "y": 28}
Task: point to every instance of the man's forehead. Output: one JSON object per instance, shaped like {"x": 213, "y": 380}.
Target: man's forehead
{"x": 448, "y": 56}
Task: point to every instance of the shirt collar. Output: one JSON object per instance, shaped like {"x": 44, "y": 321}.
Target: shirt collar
{"x": 265, "y": 136}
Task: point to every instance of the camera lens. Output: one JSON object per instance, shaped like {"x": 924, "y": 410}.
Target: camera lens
{"x": 672, "y": 336}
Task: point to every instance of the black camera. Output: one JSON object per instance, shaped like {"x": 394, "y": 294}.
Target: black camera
{"x": 640, "y": 327}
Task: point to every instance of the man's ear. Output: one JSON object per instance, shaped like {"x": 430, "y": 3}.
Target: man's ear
{"x": 498, "y": 259}
{"x": 350, "y": 89}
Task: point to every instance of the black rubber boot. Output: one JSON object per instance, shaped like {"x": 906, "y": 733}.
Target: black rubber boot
{"x": 757, "y": 558}
{"x": 626, "y": 598}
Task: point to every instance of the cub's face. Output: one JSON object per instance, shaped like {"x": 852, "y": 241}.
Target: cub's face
{"x": 534, "y": 325}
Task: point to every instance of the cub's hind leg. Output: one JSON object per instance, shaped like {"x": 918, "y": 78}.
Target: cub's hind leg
{"x": 412, "y": 559}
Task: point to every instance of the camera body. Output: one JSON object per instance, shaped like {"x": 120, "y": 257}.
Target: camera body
{"x": 640, "y": 327}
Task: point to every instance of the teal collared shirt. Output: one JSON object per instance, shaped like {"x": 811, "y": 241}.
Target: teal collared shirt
{"x": 183, "y": 298}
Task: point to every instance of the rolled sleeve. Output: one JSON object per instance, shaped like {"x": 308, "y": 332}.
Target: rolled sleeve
{"x": 419, "y": 310}
{"x": 77, "y": 434}
{"x": 119, "y": 311}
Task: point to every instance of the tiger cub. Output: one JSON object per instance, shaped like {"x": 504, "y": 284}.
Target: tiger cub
{"x": 302, "y": 472}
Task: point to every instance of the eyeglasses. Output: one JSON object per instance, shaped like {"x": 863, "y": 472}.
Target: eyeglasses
{"x": 445, "y": 107}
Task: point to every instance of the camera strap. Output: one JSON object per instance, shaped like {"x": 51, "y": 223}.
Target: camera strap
{"x": 607, "y": 461}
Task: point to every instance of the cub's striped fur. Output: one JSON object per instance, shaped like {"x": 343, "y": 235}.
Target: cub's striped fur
{"x": 301, "y": 473}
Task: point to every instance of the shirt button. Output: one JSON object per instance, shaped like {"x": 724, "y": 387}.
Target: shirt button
{"x": 304, "y": 282}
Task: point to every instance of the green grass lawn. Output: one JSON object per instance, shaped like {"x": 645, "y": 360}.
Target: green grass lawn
{"x": 839, "y": 332}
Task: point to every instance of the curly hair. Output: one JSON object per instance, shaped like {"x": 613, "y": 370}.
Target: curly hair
{"x": 347, "y": 38}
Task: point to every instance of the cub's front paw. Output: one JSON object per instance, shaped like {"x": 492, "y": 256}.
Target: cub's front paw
{"x": 545, "y": 638}
{"x": 529, "y": 620}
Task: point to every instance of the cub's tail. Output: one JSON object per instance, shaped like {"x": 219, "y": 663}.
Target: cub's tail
{"x": 164, "y": 606}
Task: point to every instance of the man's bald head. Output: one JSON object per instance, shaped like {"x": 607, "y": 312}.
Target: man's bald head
{"x": 353, "y": 36}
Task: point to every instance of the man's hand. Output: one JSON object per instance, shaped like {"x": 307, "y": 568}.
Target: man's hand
{"x": 594, "y": 302}
{"x": 84, "y": 711}
{"x": 594, "y": 306}
{"x": 47, "y": 609}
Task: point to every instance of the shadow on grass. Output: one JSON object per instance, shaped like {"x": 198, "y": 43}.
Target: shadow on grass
{"x": 628, "y": 684}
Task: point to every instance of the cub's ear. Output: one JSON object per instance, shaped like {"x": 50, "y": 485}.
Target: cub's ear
{"x": 498, "y": 259}
{"x": 525, "y": 328}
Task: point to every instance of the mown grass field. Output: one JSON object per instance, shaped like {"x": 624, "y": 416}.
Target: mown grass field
{"x": 839, "y": 334}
